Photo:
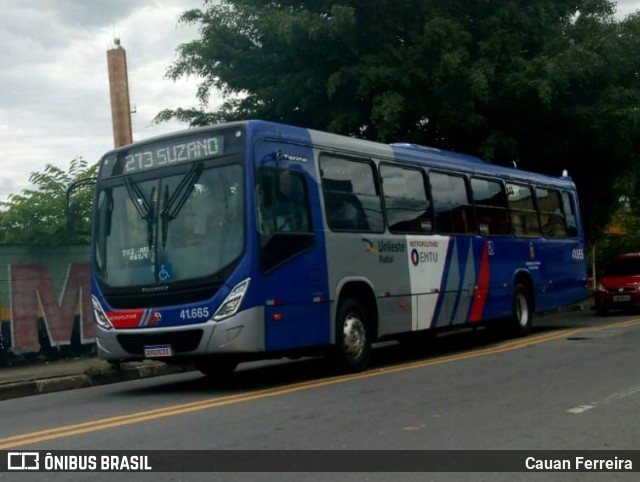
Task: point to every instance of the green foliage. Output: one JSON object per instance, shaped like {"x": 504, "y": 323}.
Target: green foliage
{"x": 614, "y": 244}
{"x": 552, "y": 84}
{"x": 626, "y": 218}
{"x": 38, "y": 215}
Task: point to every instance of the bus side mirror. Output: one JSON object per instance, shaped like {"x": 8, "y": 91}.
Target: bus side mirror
{"x": 70, "y": 208}
{"x": 71, "y": 215}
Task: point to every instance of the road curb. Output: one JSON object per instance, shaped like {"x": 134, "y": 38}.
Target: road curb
{"x": 135, "y": 372}
{"x": 91, "y": 378}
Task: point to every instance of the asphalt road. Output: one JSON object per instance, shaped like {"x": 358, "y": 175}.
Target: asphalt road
{"x": 573, "y": 384}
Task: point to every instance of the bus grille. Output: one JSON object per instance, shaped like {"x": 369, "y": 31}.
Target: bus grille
{"x": 180, "y": 341}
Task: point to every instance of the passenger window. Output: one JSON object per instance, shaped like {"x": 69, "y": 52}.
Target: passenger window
{"x": 405, "y": 197}
{"x": 551, "y": 215}
{"x": 284, "y": 205}
{"x": 351, "y": 195}
{"x": 284, "y": 219}
{"x": 570, "y": 216}
{"x": 524, "y": 217}
{"x": 490, "y": 202}
{"x": 451, "y": 203}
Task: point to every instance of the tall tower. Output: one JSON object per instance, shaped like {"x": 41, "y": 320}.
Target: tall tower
{"x": 119, "y": 88}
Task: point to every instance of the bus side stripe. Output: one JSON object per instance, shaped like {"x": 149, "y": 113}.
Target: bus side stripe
{"x": 480, "y": 297}
{"x": 465, "y": 290}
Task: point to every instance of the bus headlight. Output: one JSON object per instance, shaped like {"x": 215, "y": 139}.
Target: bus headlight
{"x": 101, "y": 318}
{"x": 232, "y": 302}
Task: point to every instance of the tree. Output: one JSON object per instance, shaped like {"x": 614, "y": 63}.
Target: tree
{"x": 626, "y": 240}
{"x": 550, "y": 84}
{"x": 38, "y": 215}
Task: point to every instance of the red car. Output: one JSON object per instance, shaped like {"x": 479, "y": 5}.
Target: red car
{"x": 619, "y": 286}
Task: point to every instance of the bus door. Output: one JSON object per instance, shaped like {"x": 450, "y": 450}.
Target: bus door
{"x": 454, "y": 217}
{"x": 292, "y": 255}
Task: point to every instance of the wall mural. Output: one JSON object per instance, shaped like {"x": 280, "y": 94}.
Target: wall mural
{"x": 43, "y": 321}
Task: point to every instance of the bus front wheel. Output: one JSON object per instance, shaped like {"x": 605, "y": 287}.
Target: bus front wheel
{"x": 217, "y": 368}
{"x": 353, "y": 337}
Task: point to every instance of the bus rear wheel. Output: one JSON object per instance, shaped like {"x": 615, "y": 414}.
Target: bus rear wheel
{"x": 520, "y": 323}
{"x": 353, "y": 337}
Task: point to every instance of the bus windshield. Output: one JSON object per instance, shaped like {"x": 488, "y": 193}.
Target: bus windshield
{"x": 170, "y": 228}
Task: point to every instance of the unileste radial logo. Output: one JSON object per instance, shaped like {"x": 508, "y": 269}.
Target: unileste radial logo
{"x": 385, "y": 249}
{"x": 369, "y": 246}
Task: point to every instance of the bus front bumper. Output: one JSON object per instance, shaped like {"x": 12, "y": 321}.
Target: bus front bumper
{"x": 240, "y": 333}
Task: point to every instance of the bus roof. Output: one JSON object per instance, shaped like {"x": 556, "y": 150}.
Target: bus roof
{"x": 400, "y": 151}
{"x": 437, "y": 158}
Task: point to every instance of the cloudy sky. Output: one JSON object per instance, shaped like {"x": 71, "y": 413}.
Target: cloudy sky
{"x": 54, "y": 91}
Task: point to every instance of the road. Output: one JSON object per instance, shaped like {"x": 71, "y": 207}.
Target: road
{"x": 573, "y": 384}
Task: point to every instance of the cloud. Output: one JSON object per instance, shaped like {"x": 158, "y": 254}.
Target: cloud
{"x": 625, "y": 7}
{"x": 54, "y": 102}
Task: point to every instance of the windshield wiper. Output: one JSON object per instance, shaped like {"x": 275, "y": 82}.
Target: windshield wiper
{"x": 136, "y": 196}
{"x": 144, "y": 208}
{"x": 163, "y": 217}
{"x": 150, "y": 219}
{"x": 174, "y": 204}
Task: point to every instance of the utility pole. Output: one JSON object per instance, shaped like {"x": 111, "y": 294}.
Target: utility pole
{"x": 119, "y": 88}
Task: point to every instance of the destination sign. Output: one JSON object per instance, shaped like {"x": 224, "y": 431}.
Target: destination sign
{"x": 164, "y": 155}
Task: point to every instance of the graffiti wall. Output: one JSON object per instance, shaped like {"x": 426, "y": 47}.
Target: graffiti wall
{"x": 45, "y": 303}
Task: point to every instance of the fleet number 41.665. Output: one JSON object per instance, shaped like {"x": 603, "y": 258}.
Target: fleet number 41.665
{"x": 195, "y": 313}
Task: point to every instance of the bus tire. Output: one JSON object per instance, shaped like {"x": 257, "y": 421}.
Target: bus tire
{"x": 217, "y": 368}
{"x": 353, "y": 337}
{"x": 522, "y": 312}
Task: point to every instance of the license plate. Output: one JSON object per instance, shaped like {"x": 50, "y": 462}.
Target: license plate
{"x": 621, "y": 298}
{"x": 155, "y": 351}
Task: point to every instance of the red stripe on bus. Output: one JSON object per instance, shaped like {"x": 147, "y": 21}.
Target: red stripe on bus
{"x": 483, "y": 286}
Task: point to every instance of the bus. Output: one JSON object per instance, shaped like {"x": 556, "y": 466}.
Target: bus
{"x": 253, "y": 240}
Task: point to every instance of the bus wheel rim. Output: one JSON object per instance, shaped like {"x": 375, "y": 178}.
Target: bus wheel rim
{"x": 522, "y": 309}
{"x": 355, "y": 336}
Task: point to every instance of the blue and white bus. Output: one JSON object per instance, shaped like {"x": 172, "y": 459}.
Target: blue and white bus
{"x": 253, "y": 239}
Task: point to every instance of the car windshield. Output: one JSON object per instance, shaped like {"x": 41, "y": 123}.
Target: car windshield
{"x": 172, "y": 228}
{"x": 624, "y": 267}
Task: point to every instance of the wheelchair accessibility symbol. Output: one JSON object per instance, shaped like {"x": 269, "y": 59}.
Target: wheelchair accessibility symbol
{"x": 165, "y": 272}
